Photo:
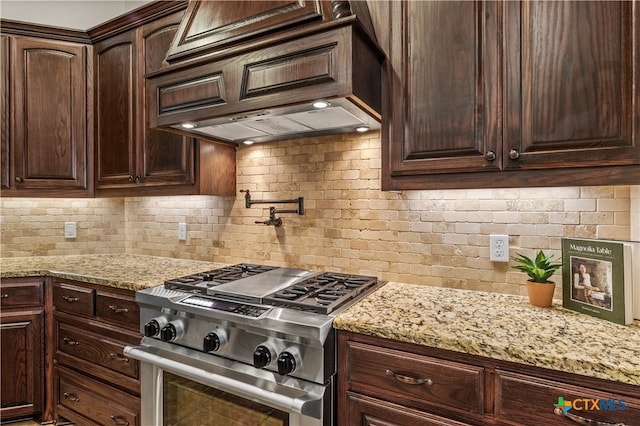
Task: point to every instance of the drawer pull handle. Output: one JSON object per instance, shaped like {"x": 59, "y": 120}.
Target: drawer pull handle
{"x": 409, "y": 380}
{"x": 117, "y": 420}
{"x": 4, "y": 296}
{"x": 70, "y": 299}
{"x": 117, "y": 310}
{"x": 70, "y": 342}
{"x": 71, "y": 397}
{"x": 118, "y": 357}
{"x": 581, "y": 420}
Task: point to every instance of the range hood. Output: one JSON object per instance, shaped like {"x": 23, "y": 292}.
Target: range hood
{"x": 258, "y": 71}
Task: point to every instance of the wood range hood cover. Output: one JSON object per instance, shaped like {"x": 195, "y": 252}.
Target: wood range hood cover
{"x": 251, "y": 70}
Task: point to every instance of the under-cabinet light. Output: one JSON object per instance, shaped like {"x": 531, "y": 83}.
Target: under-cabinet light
{"x": 320, "y": 104}
{"x": 362, "y": 129}
{"x": 248, "y": 142}
{"x": 188, "y": 125}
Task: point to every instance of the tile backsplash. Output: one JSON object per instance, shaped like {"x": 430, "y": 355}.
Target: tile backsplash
{"x": 437, "y": 237}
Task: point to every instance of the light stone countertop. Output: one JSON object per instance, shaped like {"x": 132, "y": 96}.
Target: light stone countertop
{"x": 499, "y": 326}
{"x": 493, "y": 325}
{"x": 130, "y": 272}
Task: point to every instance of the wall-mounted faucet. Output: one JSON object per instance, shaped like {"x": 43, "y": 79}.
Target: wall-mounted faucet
{"x": 273, "y": 220}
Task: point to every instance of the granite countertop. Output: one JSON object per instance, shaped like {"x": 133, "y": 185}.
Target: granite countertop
{"x": 131, "y": 272}
{"x": 499, "y": 326}
{"x": 493, "y": 325}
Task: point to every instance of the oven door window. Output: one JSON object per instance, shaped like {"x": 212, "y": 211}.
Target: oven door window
{"x": 187, "y": 403}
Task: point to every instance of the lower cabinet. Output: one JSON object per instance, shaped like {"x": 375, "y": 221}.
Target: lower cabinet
{"x": 93, "y": 381}
{"x": 22, "y": 354}
{"x": 385, "y": 382}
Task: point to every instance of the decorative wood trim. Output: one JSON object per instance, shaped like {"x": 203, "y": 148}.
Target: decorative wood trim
{"x": 43, "y": 31}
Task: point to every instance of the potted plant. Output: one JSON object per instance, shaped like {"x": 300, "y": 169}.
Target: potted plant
{"x": 539, "y": 270}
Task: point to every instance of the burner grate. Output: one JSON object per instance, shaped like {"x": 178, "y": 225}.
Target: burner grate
{"x": 199, "y": 283}
{"x": 323, "y": 293}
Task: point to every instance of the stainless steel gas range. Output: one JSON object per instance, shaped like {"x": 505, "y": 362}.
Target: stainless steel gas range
{"x": 245, "y": 344}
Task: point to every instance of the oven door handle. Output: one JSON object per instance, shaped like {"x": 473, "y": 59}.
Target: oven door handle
{"x": 285, "y": 398}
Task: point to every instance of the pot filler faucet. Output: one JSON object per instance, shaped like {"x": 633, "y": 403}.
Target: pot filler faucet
{"x": 273, "y": 220}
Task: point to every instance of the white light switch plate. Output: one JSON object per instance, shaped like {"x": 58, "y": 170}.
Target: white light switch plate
{"x": 182, "y": 231}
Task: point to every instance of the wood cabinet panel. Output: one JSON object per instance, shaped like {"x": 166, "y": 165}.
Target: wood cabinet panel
{"x": 522, "y": 399}
{"x": 508, "y": 94}
{"x": 72, "y": 298}
{"x": 49, "y": 114}
{"x": 22, "y": 321}
{"x": 117, "y": 309}
{"x": 86, "y": 401}
{"x": 569, "y": 84}
{"x": 4, "y": 111}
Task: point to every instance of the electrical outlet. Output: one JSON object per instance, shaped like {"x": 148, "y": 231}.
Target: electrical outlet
{"x": 499, "y": 248}
{"x": 182, "y": 231}
{"x": 69, "y": 229}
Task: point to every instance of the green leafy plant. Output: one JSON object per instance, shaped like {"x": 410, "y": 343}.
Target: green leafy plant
{"x": 538, "y": 269}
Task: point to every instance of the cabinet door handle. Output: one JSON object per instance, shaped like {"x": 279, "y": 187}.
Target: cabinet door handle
{"x": 583, "y": 421}
{"x": 409, "y": 380}
{"x": 514, "y": 154}
{"x": 70, "y": 299}
{"x": 118, "y": 357}
{"x": 117, "y": 310}
{"x": 117, "y": 420}
{"x": 71, "y": 397}
{"x": 19, "y": 179}
{"x": 4, "y": 296}
{"x": 70, "y": 342}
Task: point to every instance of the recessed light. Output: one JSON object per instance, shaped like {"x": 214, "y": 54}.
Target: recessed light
{"x": 248, "y": 142}
{"x": 362, "y": 129}
{"x": 320, "y": 104}
{"x": 188, "y": 125}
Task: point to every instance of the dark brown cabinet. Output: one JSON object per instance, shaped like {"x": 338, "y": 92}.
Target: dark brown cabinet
{"x": 22, "y": 354}
{"x": 504, "y": 94}
{"x": 386, "y": 382}
{"x": 44, "y": 128}
{"x": 93, "y": 380}
{"x": 128, "y": 153}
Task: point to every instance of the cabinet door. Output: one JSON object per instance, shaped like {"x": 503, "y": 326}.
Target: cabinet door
{"x": 49, "y": 113}
{"x": 571, "y": 78}
{"x": 167, "y": 158}
{"x": 115, "y": 111}
{"x": 21, "y": 363}
{"x": 441, "y": 82}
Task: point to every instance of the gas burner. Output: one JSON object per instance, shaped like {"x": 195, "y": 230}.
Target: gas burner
{"x": 322, "y": 293}
{"x": 199, "y": 283}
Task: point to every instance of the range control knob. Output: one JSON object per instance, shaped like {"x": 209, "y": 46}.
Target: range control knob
{"x": 214, "y": 341}
{"x": 286, "y": 363}
{"x": 172, "y": 331}
{"x": 262, "y": 356}
{"x": 153, "y": 327}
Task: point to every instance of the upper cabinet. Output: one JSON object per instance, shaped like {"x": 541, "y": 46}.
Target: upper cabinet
{"x": 506, "y": 94}
{"x": 44, "y": 119}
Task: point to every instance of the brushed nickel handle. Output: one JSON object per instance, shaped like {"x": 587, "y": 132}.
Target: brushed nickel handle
{"x": 117, "y": 420}
{"x": 118, "y": 357}
{"x": 71, "y": 397}
{"x": 490, "y": 156}
{"x": 409, "y": 380}
{"x": 117, "y": 310}
{"x": 132, "y": 178}
{"x": 70, "y": 342}
{"x": 514, "y": 154}
{"x": 4, "y": 296}
{"x": 583, "y": 421}
{"x": 19, "y": 179}
{"x": 70, "y": 299}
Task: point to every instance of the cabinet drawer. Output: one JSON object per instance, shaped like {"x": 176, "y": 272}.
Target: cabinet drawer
{"x": 74, "y": 299}
{"x": 529, "y": 400}
{"x": 21, "y": 294}
{"x": 86, "y": 401}
{"x": 415, "y": 378}
{"x": 118, "y": 309}
{"x": 91, "y": 345}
